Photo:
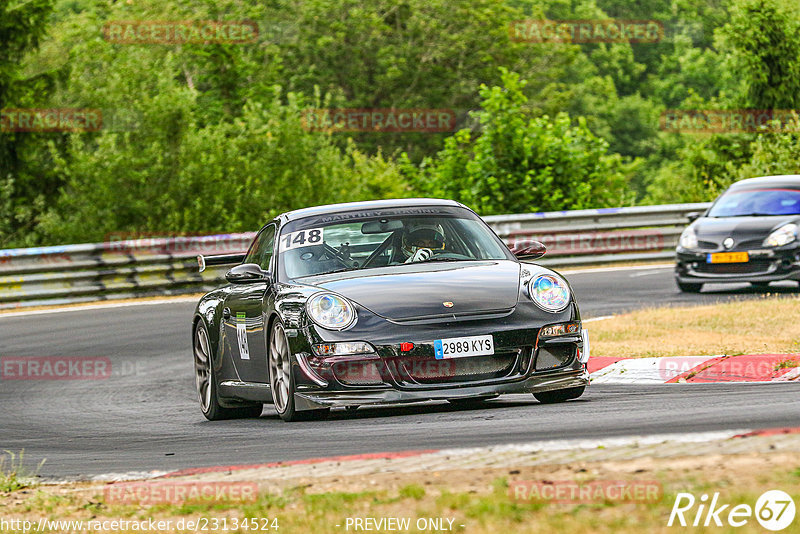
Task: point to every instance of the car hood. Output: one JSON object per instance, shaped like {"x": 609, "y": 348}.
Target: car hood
{"x": 739, "y": 228}
{"x": 420, "y": 290}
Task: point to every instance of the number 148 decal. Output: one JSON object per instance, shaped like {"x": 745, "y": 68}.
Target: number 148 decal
{"x": 301, "y": 238}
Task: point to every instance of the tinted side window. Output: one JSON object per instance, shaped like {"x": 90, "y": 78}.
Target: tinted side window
{"x": 262, "y": 249}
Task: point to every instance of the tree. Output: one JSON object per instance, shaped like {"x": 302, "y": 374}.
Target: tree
{"x": 773, "y": 154}
{"x": 24, "y": 191}
{"x": 172, "y": 175}
{"x": 763, "y": 39}
{"x": 518, "y": 163}
{"x": 757, "y": 68}
{"x": 704, "y": 170}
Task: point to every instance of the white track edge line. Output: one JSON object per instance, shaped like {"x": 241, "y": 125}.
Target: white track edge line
{"x": 74, "y": 308}
{"x": 613, "y": 269}
{"x": 601, "y": 318}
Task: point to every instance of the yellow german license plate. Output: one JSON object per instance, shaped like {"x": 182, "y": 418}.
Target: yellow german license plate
{"x": 728, "y": 257}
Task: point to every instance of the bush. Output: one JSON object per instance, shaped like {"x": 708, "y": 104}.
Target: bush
{"x": 517, "y": 163}
{"x": 169, "y": 175}
{"x": 773, "y": 154}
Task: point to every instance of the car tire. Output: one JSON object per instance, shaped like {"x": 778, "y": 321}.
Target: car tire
{"x": 281, "y": 378}
{"x": 688, "y": 287}
{"x": 559, "y": 395}
{"x": 206, "y": 383}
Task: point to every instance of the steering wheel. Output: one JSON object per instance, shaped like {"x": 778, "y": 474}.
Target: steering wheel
{"x": 452, "y": 255}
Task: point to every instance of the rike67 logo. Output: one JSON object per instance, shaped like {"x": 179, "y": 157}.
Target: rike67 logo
{"x": 774, "y": 510}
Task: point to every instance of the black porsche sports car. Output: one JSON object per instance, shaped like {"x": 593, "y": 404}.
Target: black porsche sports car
{"x": 383, "y": 302}
{"x": 749, "y": 234}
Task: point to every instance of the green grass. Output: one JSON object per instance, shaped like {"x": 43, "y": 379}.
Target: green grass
{"x": 484, "y": 512}
{"x": 13, "y": 474}
{"x": 412, "y": 491}
{"x": 787, "y": 364}
{"x": 479, "y": 501}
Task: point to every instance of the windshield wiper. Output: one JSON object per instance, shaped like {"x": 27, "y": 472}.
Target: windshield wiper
{"x": 758, "y": 215}
{"x": 429, "y": 260}
{"x": 342, "y": 270}
{"x": 434, "y": 258}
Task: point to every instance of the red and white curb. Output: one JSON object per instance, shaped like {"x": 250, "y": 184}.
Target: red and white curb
{"x": 695, "y": 369}
{"x": 549, "y": 452}
{"x": 309, "y": 461}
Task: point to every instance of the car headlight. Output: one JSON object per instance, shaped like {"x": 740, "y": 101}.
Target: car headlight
{"x": 689, "y": 238}
{"x": 782, "y": 236}
{"x": 331, "y": 311}
{"x": 550, "y": 292}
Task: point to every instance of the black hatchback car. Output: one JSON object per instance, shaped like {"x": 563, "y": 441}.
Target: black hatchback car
{"x": 749, "y": 234}
{"x": 383, "y": 302}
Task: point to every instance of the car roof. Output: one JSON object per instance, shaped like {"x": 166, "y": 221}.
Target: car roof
{"x": 366, "y": 205}
{"x": 791, "y": 181}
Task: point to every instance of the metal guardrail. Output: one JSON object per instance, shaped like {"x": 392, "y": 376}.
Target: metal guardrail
{"x": 606, "y": 235}
{"x": 129, "y": 268}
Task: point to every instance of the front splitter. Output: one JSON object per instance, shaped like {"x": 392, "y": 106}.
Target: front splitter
{"x": 308, "y": 400}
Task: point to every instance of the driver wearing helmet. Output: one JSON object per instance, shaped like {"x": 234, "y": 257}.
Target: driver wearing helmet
{"x": 420, "y": 240}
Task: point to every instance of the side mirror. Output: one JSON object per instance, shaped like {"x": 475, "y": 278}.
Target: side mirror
{"x": 693, "y": 216}
{"x": 531, "y": 251}
{"x": 247, "y": 273}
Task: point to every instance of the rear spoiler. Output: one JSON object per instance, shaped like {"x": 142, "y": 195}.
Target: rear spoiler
{"x": 219, "y": 259}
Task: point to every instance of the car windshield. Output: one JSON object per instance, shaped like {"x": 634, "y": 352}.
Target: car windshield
{"x": 757, "y": 202}
{"x": 384, "y": 238}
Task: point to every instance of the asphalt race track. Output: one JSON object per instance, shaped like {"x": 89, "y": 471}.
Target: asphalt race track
{"x": 145, "y": 415}
{"x": 607, "y": 292}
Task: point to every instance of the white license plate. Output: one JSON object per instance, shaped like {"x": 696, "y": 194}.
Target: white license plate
{"x": 463, "y": 347}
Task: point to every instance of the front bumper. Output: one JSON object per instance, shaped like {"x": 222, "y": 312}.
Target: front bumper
{"x": 309, "y": 400}
{"x": 764, "y": 265}
{"x": 401, "y": 365}
{"x": 521, "y": 364}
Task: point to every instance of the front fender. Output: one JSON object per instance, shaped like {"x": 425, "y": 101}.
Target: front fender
{"x": 209, "y": 310}
{"x": 290, "y": 305}
{"x": 290, "y": 308}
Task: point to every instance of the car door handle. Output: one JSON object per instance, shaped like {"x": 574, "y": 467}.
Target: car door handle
{"x": 226, "y": 312}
